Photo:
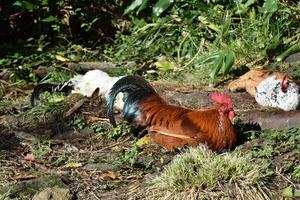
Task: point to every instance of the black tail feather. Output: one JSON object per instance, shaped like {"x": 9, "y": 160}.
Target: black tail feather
{"x": 130, "y": 109}
{"x": 134, "y": 89}
{"x": 64, "y": 87}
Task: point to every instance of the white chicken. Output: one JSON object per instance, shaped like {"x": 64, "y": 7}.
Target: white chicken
{"x": 277, "y": 93}
{"x": 82, "y": 84}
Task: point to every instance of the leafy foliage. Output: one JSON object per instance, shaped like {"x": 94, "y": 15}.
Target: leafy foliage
{"x": 224, "y": 34}
{"x": 198, "y": 34}
{"x": 61, "y": 21}
{"x": 36, "y": 33}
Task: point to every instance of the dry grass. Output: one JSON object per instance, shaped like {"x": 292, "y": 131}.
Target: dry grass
{"x": 202, "y": 174}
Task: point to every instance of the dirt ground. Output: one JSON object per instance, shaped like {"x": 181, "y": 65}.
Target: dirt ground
{"x": 90, "y": 165}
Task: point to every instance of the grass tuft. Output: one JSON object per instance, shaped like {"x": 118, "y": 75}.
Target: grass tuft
{"x": 202, "y": 174}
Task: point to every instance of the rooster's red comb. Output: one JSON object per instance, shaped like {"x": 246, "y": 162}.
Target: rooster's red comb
{"x": 220, "y": 98}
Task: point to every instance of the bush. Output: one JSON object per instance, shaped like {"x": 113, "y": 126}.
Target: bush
{"x": 57, "y": 22}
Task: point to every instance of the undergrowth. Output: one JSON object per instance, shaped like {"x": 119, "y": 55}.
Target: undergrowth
{"x": 214, "y": 36}
{"x": 50, "y": 111}
{"x": 174, "y": 40}
{"x": 201, "y": 174}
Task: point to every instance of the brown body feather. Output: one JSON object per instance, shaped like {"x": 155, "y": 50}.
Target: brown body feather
{"x": 172, "y": 126}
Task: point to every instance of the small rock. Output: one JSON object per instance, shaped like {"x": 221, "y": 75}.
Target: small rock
{"x": 42, "y": 71}
{"x": 53, "y": 193}
{"x": 277, "y": 120}
{"x": 293, "y": 58}
{"x": 5, "y": 74}
{"x": 99, "y": 166}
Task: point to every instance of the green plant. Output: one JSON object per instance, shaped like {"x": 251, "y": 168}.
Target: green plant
{"x": 128, "y": 156}
{"x": 222, "y": 61}
{"x": 56, "y": 76}
{"x": 200, "y": 173}
{"x": 292, "y": 49}
{"x": 78, "y": 122}
{"x": 4, "y": 104}
{"x": 121, "y": 130}
{"x": 291, "y": 193}
{"x": 61, "y": 21}
{"x": 97, "y": 128}
{"x": 59, "y": 161}
{"x": 296, "y": 173}
{"x": 50, "y": 111}
{"x": 43, "y": 148}
{"x": 48, "y": 33}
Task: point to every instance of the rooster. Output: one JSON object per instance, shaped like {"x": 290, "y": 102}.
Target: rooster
{"x": 172, "y": 126}
{"x": 83, "y": 84}
{"x": 278, "y": 93}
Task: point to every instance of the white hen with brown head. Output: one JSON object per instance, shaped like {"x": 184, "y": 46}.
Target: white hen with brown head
{"x": 86, "y": 84}
{"x": 277, "y": 93}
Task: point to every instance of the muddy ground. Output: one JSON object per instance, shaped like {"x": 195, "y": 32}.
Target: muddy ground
{"x": 89, "y": 165}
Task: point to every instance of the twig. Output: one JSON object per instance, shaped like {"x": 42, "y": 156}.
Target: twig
{"x": 285, "y": 178}
{"x": 76, "y": 106}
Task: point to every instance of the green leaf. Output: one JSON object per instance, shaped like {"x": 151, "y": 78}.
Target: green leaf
{"x": 49, "y": 19}
{"x": 165, "y": 65}
{"x": 216, "y": 68}
{"x": 143, "y": 6}
{"x": 26, "y": 5}
{"x": 226, "y": 26}
{"x": 203, "y": 19}
{"x": 241, "y": 9}
{"x": 209, "y": 59}
{"x": 229, "y": 60}
{"x": 214, "y": 27}
{"x": 250, "y": 2}
{"x": 161, "y": 6}
{"x": 293, "y": 49}
{"x": 135, "y": 4}
{"x": 270, "y": 6}
{"x": 288, "y": 192}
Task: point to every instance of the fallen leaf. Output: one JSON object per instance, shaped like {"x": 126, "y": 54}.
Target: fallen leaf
{"x": 117, "y": 148}
{"x": 23, "y": 176}
{"x": 82, "y": 174}
{"x": 108, "y": 175}
{"x": 134, "y": 177}
{"x": 143, "y": 141}
{"x": 72, "y": 165}
{"x": 61, "y": 58}
{"x": 29, "y": 157}
{"x": 133, "y": 188}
